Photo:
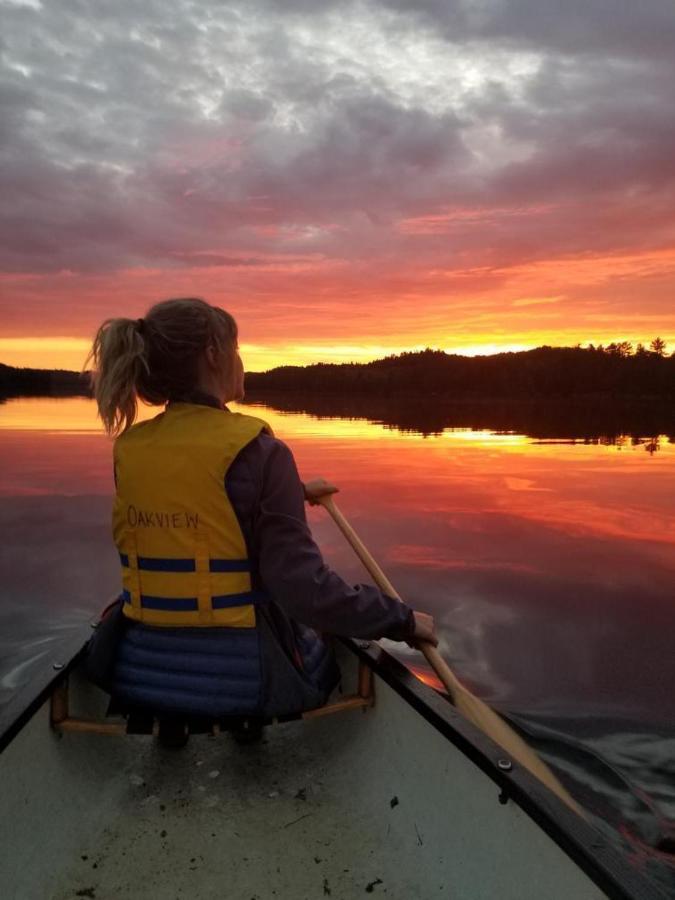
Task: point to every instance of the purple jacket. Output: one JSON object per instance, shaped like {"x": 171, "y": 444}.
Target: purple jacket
{"x": 267, "y": 495}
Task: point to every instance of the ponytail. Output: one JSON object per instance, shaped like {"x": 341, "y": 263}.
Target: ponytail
{"x": 155, "y": 358}
{"x": 119, "y": 359}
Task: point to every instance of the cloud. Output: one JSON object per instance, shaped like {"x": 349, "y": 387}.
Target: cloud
{"x": 434, "y": 146}
{"x": 576, "y": 28}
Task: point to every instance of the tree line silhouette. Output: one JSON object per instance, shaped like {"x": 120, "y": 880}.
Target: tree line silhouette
{"x": 22, "y": 382}
{"x": 614, "y": 370}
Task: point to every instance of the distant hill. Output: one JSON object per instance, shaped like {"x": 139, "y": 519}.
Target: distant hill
{"x": 544, "y": 372}
{"x": 20, "y": 382}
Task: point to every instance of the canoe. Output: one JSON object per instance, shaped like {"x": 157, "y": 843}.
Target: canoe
{"x": 387, "y": 791}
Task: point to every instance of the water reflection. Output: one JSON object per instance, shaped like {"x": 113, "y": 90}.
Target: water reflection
{"x": 586, "y": 419}
{"x": 548, "y": 565}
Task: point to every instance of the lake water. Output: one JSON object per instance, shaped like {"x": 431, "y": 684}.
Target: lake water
{"x": 548, "y": 564}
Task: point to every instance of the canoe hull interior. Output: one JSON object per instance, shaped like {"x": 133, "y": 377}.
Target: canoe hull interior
{"x": 361, "y": 801}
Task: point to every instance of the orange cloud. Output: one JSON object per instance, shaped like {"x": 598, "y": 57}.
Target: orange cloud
{"x": 299, "y": 311}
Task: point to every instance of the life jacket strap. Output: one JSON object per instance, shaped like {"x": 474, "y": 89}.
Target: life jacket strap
{"x": 191, "y": 604}
{"x": 160, "y": 564}
{"x": 135, "y": 581}
{"x": 203, "y": 582}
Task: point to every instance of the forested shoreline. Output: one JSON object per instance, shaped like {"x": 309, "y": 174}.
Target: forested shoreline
{"x": 24, "y": 382}
{"x": 544, "y": 372}
{"x": 611, "y": 372}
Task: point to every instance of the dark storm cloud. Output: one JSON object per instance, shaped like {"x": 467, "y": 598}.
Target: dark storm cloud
{"x": 181, "y": 134}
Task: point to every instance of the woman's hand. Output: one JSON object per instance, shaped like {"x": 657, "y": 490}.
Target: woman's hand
{"x": 425, "y": 629}
{"x": 316, "y": 488}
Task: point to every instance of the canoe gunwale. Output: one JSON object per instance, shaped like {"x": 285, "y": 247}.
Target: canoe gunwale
{"x": 21, "y": 708}
{"x": 587, "y": 847}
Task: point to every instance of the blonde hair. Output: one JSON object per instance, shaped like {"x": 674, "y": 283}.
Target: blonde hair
{"x": 155, "y": 358}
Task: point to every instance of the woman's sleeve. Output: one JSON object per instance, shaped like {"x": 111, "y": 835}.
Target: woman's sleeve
{"x": 292, "y": 568}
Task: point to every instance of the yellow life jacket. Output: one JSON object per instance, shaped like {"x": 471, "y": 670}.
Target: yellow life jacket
{"x": 183, "y": 554}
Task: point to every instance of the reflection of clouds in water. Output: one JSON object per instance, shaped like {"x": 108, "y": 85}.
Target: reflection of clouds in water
{"x": 524, "y": 484}
{"x": 565, "y": 626}
{"x": 465, "y": 631}
{"x": 429, "y": 557}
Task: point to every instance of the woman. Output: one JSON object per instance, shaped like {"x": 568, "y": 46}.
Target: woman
{"x": 224, "y": 588}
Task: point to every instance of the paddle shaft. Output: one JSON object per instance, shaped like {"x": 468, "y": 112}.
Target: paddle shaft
{"x": 433, "y": 657}
{"x": 471, "y": 706}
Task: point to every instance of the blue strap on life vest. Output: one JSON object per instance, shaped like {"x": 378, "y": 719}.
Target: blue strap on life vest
{"x": 191, "y": 604}
{"x": 157, "y": 564}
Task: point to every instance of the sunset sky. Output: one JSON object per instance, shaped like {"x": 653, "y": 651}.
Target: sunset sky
{"x": 349, "y": 179}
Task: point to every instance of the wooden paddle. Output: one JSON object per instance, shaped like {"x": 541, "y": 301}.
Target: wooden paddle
{"x": 471, "y": 707}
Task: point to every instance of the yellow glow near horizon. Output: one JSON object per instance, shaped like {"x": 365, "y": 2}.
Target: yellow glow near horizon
{"x": 488, "y": 349}
{"x": 45, "y": 352}
{"x": 71, "y": 352}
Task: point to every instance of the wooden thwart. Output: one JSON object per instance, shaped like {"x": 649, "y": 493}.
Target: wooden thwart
{"x": 62, "y": 721}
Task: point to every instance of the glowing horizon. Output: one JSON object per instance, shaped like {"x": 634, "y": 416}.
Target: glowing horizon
{"x": 70, "y": 353}
{"x": 348, "y": 180}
